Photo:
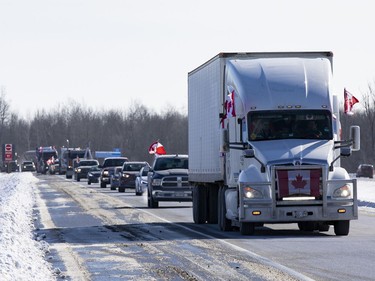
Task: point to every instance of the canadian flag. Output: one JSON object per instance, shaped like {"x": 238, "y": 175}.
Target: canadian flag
{"x": 298, "y": 182}
{"x": 157, "y": 148}
{"x": 229, "y": 105}
{"x": 349, "y": 101}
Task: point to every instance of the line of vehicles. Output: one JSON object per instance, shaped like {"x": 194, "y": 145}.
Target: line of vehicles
{"x": 264, "y": 147}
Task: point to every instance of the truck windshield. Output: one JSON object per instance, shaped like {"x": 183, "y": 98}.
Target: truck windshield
{"x": 290, "y": 124}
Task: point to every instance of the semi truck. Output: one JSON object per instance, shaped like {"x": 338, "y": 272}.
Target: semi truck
{"x": 45, "y": 155}
{"x": 265, "y": 143}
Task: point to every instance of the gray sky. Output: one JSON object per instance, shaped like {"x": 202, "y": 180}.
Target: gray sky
{"x": 110, "y": 54}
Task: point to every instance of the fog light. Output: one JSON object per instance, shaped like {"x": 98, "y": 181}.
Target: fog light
{"x": 341, "y": 211}
{"x": 256, "y": 213}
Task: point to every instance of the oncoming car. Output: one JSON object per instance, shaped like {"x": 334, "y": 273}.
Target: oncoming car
{"x": 365, "y": 170}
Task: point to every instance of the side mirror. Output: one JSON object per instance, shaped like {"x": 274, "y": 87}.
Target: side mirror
{"x": 355, "y": 137}
{"x": 345, "y": 151}
{"x": 249, "y": 153}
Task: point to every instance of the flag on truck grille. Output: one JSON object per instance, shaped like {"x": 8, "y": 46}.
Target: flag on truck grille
{"x": 298, "y": 182}
{"x": 349, "y": 101}
{"x": 156, "y": 148}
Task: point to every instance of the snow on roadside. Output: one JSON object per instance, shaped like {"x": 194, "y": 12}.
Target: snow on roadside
{"x": 21, "y": 256}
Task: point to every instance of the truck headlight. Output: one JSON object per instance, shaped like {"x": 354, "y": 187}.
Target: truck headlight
{"x": 105, "y": 173}
{"x": 252, "y": 193}
{"x": 78, "y": 170}
{"x": 342, "y": 192}
{"x": 156, "y": 182}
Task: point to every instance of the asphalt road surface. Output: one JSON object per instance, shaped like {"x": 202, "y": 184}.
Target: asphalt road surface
{"x": 100, "y": 234}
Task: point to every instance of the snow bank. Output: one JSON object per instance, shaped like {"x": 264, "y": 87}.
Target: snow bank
{"x": 21, "y": 256}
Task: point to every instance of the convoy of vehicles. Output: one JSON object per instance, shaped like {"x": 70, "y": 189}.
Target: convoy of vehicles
{"x": 168, "y": 180}
{"x": 251, "y": 160}
{"x": 264, "y": 147}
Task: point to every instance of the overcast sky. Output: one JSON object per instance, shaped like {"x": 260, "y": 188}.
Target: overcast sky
{"x": 110, "y": 54}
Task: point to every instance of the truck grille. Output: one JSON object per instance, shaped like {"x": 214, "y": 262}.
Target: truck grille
{"x": 301, "y": 181}
{"x": 173, "y": 181}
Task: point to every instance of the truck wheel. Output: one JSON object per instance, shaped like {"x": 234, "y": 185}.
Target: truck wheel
{"x": 247, "y": 228}
{"x": 103, "y": 185}
{"x": 78, "y": 179}
{"x": 120, "y": 189}
{"x": 88, "y": 182}
{"x": 341, "y": 228}
{"x": 213, "y": 193}
{"x": 199, "y": 204}
{"x": 224, "y": 223}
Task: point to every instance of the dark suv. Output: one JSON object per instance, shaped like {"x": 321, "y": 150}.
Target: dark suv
{"x": 168, "y": 180}
{"x": 108, "y": 168}
{"x": 365, "y": 170}
{"x": 83, "y": 167}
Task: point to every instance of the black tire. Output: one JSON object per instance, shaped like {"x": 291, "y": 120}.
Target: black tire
{"x": 199, "y": 204}
{"x": 103, "y": 185}
{"x": 120, "y": 189}
{"x": 151, "y": 202}
{"x": 247, "y": 228}
{"x": 138, "y": 193}
{"x": 341, "y": 228}
{"x": 88, "y": 182}
{"x": 224, "y": 223}
{"x": 213, "y": 195}
{"x": 78, "y": 178}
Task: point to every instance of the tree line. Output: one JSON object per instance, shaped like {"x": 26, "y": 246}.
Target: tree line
{"x": 132, "y": 130}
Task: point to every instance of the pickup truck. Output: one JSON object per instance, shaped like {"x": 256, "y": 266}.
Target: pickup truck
{"x": 168, "y": 180}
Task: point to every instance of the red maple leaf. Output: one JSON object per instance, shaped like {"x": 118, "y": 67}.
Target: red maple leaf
{"x": 298, "y": 182}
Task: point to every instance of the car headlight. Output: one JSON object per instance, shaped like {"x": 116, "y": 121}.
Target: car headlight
{"x": 252, "y": 193}
{"x": 105, "y": 173}
{"x": 125, "y": 175}
{"x": 342, "y": 192}
{"x": 156, "y": 182}
{"x": 78, "y": 170}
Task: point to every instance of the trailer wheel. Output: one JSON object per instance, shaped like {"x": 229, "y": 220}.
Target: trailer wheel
{"x": 224, "y": 223}
{"x": 247, "y": 228}
{"x": 341, "y": 228}
{"x": 199, "y": 204}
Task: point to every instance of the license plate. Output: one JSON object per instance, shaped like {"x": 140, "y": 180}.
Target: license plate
{"x": 300, "y": 214}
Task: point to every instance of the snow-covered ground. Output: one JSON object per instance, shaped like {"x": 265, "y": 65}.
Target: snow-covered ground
{"x": 23, "y": 255}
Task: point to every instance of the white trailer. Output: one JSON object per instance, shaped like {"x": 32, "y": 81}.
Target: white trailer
{"x": 253, "y": 157}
